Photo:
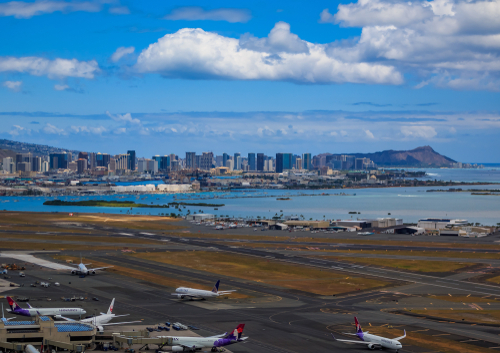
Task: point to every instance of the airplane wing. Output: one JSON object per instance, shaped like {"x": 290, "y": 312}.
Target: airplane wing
{"x": 64, "y": 318}
{"x": 190, "y": 345}
{"x": 119, "y": 323}
{"x": 359, "y": 342}
{"x": 99, "y": 268}
{"x": 218, "y": 336}
{"x": 187, "y": 295}
{"x": 226, "y": 291}
{"x": 400, "y": 338}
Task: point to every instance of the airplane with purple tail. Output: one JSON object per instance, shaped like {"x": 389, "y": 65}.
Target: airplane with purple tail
{"x": 192, "y": 293}
{"x": 373, "y": 341}
{"x": 215, "y": 343}
{"x": 32, "y": 312}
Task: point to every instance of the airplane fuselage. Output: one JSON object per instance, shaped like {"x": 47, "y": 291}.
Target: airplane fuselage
{"x": 380, "y": 341}
{"x": 32, "y": 312}
{"x": 191, "y": 292}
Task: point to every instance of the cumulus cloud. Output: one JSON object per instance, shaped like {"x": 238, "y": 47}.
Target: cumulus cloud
{"x": 369, "y": 134}
{"x": 23, "y": 9}
{"x": 13, "y": 85}
{"x": 19, "y": 130}
{"x": 195, "y": 13}
{"x": 97, "y": 130}
{"x": 280, "y": 40}
{"x": 59, "y": 87}
{"x": 56, "y": 68}
{"x": 194, "y": 53}
{"x": 53, "y": 130}
{"x": 121, "y": 52}
{"x": 449, "y": 43}
{"x": 125, "y": 118}
{"x": 419, "y": 131}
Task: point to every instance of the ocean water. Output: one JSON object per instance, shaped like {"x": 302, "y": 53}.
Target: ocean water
{"x": 490, "y": 174}
{"x": 410, "y": 204}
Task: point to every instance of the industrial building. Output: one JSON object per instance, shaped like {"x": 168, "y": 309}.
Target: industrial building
{"x": 436, "y": 224}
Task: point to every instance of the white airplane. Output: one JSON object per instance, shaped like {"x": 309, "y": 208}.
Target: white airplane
{"x": 192, "y": 344}
{"x": 101, "y": 320}
{"x": 183, "y": 292}
{"x": 32, "y": 312}
{"x": 219, "y": 227}
{"x": 83, "y": 270}
{"x": 373, "y": 341}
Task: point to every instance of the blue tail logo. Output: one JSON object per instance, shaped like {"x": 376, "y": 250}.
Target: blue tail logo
{"x": 215, "y": 289}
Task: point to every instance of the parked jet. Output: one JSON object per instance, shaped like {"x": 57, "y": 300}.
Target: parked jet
{"x": 101, "y": 320}
{"x": 373, "y": 341}
{"x": 83, "y": 270}
{"x": 183, "y": 292}
{"x": 192, "y": 344}
{"x": 32, "y": 312}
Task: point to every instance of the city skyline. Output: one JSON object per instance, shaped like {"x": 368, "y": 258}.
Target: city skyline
{"x": 350, "y": 76}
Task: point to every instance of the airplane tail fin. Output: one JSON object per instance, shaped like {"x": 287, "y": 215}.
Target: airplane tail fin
{"x": 358, "y": 326}
{"x": 13, "y": 305}
{"x": 110, "y": 310}
{"x": 29, "y": 306}
{"x": 215, "y": 289}
{"x": 236, "y": 333}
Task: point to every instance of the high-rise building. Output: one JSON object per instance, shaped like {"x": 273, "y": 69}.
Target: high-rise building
{"x": 230, "y": 164}
{"x": 9, "y": 165}
{"x": 225, "y": 157}
{"x": 122, "y": 162}
{"x": 237, "y": 161}
{"x": 45, "y": 167}
{"x": 81, "y": 165}
{"x": 131, "y": 160}
{"x": 36, "y": 164}
{"x": 251, "y": 161}
{"x": 59, "y": 160}
{"x": 206, "y": 161}
{"x": 26, "y": 159}
{"x": 298, "y": 163}
{"x": 260, "y": 162}
{"x": 283, "y": 162}
{"x": 103, "y": 159}
{"x": 306, "y": 161}
{"x": 112, "y": 165}
{"x": 83, "y": 155}
{"x": 218, "y": 161}
{"x": 92, "y": 161}
{"x": 190, "y": 160}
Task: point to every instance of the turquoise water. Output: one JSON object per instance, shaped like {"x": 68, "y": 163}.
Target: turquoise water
{"x": 410, "y": 204}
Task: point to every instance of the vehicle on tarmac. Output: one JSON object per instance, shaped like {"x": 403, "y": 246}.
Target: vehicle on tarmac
{"x": 373, "y": 341}
{"x": 5, "y": 271}
{"x": 21, "y": 274}
{"x": 191, "y": 293}
{"x": 219, "y": 227}
{"x": 32, "y": 312}
{"x": 215, "y": 343}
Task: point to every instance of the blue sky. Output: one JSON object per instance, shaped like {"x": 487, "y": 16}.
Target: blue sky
{"x": 324, "y": 76}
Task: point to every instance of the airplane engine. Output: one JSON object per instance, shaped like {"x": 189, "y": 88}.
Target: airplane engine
{"x": 73, "y": 272}
{"x": 100, "y": 329}
{"x": 93, "y": 272}
{"x": 177, "y": 349}
{"x": 371, "y": 346}
{"x": 180, "y": 296}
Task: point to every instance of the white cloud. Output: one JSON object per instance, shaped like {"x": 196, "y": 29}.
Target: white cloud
{"x": 22, "y": 9}
{"x": 369, "y": 134}
{"x": 194, "y": 13}
{"x": 125, "y": 118}
{"x": 418, "y": 131}
{"x": 194, "y": 53}
{"x": 120, "y": 130}
{"x": 13, "y": 85}
{"x": 97, "y": 130}
{"x": 56, "y": 68}
{"x": 19, "y": 130}
{"x": 51, "y": 129}
{"x": 280, "y": 40}
{"x": 450, "y": 43}
{"x": 59, "y": 87}
{"x": 121, "y": 52}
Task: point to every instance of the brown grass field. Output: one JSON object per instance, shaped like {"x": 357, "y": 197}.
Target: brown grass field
{"x": 428, "y": 342}
{"x": 479, "y": 316}
{"x": 81, "y": 238}
{"x": 146, "y": 276}
{"x": 410, "y": 265}
{"x": 25, "y": 245}
{"x": 276, "y": 273}
{"x": 466, "y": 299}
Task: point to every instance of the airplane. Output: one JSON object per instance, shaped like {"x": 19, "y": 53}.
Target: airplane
{"x": 191, "y": 344}
{"x": 32, "y": 312}
{"x": 183, "y": 292}
{"x": 83, "y": 270}
{"x": 219, "y": 227}
{"x": 373, "y": 341}
{"x": 101, "y": 320}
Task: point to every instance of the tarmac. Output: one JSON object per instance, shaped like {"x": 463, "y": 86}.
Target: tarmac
{"x": 277, "y": 319}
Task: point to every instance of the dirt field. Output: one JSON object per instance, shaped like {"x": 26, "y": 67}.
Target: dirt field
{"x": 479, "y": 316}
{"x": 302, "y": 278}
